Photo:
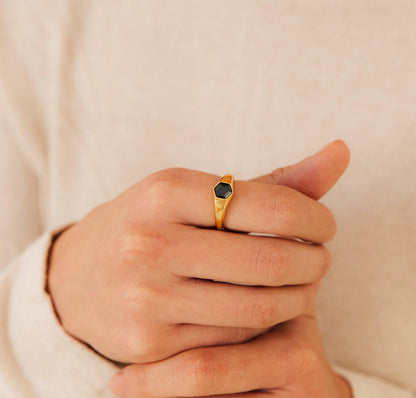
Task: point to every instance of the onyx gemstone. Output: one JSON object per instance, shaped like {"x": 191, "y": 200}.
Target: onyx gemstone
{"x": 223, "y": 190}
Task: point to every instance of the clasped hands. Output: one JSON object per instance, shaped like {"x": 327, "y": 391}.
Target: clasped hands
{"x": 146, "y": 280}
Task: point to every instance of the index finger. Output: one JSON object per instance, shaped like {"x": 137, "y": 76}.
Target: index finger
{"x": 255, "y": 207}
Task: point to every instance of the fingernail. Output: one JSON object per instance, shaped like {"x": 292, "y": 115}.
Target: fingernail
{"x": 117, "y": 385}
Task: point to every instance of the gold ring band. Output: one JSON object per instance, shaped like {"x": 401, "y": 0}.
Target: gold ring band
{"x": 223, "y": 193}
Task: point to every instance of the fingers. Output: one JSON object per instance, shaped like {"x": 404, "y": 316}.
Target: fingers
{"x": 244, "y": 259}
{"x": 223, "y": 304}
{"x": 213, "y": 370}
{"x": 183, "y": 337}
{"x": 255, "y": 207}
{"x": 255, "y": 394}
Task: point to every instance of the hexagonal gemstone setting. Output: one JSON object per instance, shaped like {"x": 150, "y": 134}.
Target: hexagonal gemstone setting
{"x": 223, "y": 190}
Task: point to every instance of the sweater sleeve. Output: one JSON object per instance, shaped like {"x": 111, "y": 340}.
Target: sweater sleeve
{"x": 37, "y": 357}
{"x": 365, "y": 386}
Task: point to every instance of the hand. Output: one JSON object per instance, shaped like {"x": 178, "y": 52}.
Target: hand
{"x": 138, "y": 279}
{"x": 288, "y": 361}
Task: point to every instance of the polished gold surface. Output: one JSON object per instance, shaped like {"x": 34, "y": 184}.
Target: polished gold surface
{"x": 221, "y": 204}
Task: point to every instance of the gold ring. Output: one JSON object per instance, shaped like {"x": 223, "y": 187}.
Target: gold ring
{"x": 223, "y": 193}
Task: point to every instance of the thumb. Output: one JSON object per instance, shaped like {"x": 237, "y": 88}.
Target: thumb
{"x": 315, "y": 175}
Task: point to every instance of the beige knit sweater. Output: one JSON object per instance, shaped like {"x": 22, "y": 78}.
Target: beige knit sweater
{"x": 95, "y": 95}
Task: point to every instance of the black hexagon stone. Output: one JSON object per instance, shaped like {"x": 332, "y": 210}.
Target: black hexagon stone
{"x": 223, "y": 190}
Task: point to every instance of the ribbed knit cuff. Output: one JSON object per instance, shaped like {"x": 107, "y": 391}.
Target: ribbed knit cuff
{"x": 54, "y": 363}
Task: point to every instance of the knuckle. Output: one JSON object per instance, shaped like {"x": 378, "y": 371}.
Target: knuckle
{"x": 143, "y": 345}
{"x": 263, "y": 263}
{"x": 302, "y": 357}
{"x": 259, "y": 311}
{"x": 138, "y": 242}
{"x": 143, "y": 299}
{"x": 139, "y": 301}
{"x": 279, "y": 204}
{"x": 161, "y": 185}
{"x": 199, "y": 372}
{"x": 309, "y": 358}
{"x": 271, "y": 264}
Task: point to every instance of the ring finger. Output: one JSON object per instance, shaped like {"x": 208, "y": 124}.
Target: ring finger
{"x": 223, "y": 304}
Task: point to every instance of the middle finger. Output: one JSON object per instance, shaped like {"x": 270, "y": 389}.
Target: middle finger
{"x": 243, "y": 259}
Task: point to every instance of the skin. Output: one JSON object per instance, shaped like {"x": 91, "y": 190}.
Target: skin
{"x": 288, "y": 361}
{"x": 149, "y": 269}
